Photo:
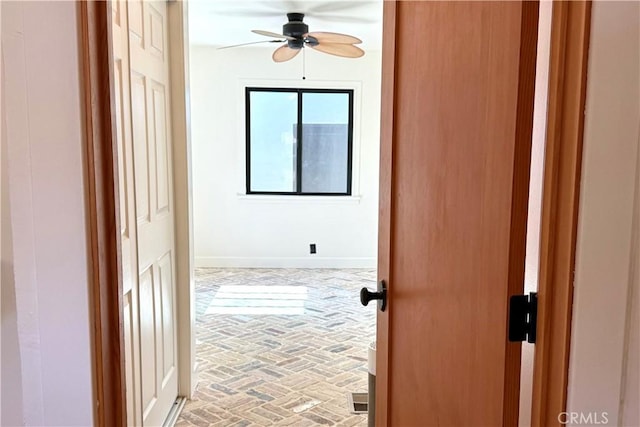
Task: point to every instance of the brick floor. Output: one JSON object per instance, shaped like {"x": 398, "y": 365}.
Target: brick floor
{"x": 280, "y": 347}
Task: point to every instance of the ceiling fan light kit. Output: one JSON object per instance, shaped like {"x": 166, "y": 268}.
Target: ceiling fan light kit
{"x": 296, "y": 35}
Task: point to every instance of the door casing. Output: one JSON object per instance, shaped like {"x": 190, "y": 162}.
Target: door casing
{"x": 570, "y": 31}
{"x": 569, "y": 48}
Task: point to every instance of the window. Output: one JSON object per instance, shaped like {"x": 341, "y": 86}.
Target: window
{"x": 299, "y": 141}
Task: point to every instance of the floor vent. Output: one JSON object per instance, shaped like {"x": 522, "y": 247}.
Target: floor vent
{"x": 358, "y": 402}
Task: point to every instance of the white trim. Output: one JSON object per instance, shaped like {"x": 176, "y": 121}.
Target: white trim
{"x": 310, "y": 261}
{"x": 182, "y": 174}
{"x": 276, "y": 199}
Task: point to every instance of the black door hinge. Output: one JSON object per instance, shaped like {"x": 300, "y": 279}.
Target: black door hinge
{"x": 523, "y": 317}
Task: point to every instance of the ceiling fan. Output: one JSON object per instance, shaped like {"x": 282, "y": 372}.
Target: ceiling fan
{"x": 296, "y": 35}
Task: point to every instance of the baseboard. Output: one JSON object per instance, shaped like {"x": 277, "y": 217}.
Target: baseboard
{"x": 195, "y": 377}
{"x": 287, "y": 262}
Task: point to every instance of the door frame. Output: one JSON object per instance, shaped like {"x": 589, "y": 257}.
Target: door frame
{"x": 570, "y": 31}
{"x": 105, "y": 280}
{"x": 565, "y": 122}
{"x": 102, "y": 198}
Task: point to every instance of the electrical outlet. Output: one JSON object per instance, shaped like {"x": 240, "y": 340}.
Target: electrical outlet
{"x": 312, "y": 248}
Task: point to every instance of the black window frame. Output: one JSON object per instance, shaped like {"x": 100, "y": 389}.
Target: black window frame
{"x": 299, "y": 141}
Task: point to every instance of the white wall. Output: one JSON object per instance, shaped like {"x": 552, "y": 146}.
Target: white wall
{"x": 232, "y": 229}
{"x": 10, "y": 366}
{"x": 532, "y": 261}
{"x": 46, "y": 377}
{"x": 604, "y": 247}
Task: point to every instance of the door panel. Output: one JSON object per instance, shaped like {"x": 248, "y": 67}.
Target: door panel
{"x": 157, "y": 33}
{"x": 147, "y": 340}
{"x": 122, "y": 171}
{"x": 455, "y": 157}
{"x": 131, "y": 354}
{"x": 146, "y": 185}
{"x": 139, "y": 126}
{"x": 136, "y": 35}
{"x": 161, "y": 150}
{"x": 167, "y": 324}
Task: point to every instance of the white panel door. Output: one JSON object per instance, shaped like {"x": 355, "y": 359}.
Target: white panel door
{"x": 146, "y": 198}
{"x": 128, "y": 229}
{"x": 148, "y": 61}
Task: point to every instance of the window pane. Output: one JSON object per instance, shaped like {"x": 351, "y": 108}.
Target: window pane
{"x": 325, "y": 142}
{"x": 273, "y": 117}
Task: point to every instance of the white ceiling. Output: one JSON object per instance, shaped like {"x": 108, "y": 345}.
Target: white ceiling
{"x": 229, "y": 22}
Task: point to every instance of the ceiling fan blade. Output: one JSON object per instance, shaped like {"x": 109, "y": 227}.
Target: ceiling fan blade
{"x": 339, "y": 49}
{"x": 326, "y": 37}
{"x": 337, "y": 5}
{"x": 346, "y": 19}
{"x": 289, "y": 5}
{"x": 248, "y": 13}
{"x": 284, "y": 53}
{"x": 270, "y": 34}
{"x": 245, "y": 44}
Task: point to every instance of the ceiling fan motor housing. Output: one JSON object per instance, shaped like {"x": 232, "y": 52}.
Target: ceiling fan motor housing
{"x": 295, "y": 28}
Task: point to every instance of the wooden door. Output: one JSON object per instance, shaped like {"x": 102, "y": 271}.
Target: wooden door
{"x": 458, "y": 82}
{"x": 141, "y": 76}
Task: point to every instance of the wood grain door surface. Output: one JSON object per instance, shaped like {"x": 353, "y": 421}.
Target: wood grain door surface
{"x": 458, "y": 84}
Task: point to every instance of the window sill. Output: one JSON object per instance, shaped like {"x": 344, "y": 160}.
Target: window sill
{"x": 262, "y": 198}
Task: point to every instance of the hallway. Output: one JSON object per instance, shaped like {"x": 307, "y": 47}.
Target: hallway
{"x": 280, "y": 346}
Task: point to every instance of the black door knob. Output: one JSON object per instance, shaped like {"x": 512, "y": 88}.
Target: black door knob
{"x": 366, "y": 295}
